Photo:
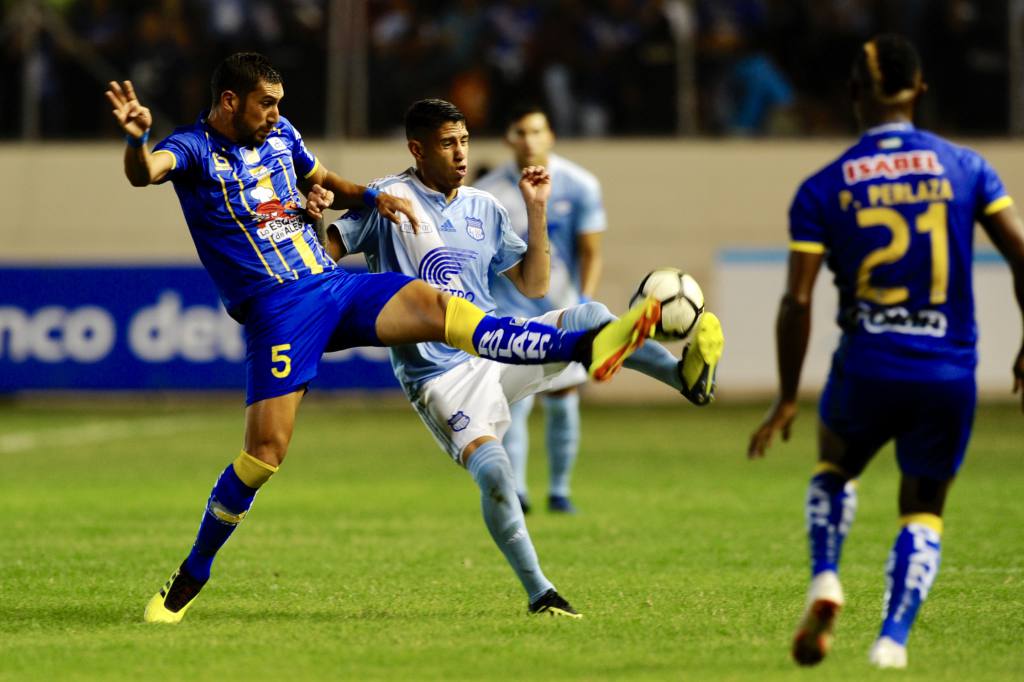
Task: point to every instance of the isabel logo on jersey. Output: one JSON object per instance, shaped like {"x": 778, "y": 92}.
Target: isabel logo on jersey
{"x": 442, "y": 266}
{"x": 892, "y": 166}
{"x": 475, "y": 228}
{"x": 458, "y": 421}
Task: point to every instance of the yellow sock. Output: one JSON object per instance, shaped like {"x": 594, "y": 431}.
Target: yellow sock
{"x": 251, "y": 471}
{"x": 461, "y": 319}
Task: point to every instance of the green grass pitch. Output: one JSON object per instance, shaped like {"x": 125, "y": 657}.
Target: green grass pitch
{"x": 366, "y": 557}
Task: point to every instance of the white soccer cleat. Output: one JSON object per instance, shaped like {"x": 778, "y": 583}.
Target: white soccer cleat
{"x": 888, "y": 653}
{"x": 814, "y": 634}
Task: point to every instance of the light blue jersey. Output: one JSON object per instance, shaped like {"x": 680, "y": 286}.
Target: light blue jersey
{"x": 575, "y": 208}
{"x": 460, "y": 248}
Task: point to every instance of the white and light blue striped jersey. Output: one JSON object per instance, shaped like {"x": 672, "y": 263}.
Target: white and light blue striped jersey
{"x": 458, "y": 248}
{"x": 575, "y": 208}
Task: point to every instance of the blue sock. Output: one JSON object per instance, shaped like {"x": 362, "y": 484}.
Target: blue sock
{"x": 228, "y": 503}
{"x": 517, "y": 342}
{"x": 491, "y": 470}
{"x": 562, "y": 427}
{"x": 652, "y": 359}
{"x": 517, "y": 440}
{"x": 830, "y": 507}
{"x": 909, "y": 573}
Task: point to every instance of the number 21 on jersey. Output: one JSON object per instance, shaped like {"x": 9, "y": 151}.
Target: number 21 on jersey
{"x": 931, "y": 222}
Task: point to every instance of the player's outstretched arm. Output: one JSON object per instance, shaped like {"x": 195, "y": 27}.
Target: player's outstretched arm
{"x": 531, "y": 276}
{"x": 346, "y": 194}
{"x": 1006, "y": 231}
{"x": 140, "y": 167}
{"x": 792, "y": 331}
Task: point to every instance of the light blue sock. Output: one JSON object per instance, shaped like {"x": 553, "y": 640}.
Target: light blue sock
{"x": 562, "y": 428}
{"x": 652, "y": 359}
{"x": 517, "y": 440}
{"x": 491, "y": 470}
{"x": 830, "y": 507}
{"x": 909, "y": 573}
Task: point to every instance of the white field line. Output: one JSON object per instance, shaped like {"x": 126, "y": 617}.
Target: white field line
{"x": 96, "y": 432}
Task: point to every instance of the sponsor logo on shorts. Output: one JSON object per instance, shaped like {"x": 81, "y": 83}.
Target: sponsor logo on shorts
{"x": 458, "y": 421}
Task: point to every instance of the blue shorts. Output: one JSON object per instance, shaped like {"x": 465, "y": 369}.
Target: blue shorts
{"x": 930, "y": 420}
{"x": 288, "y": 329}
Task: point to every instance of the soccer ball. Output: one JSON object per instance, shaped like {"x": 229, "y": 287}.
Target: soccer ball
{"x": 682, "y": 302}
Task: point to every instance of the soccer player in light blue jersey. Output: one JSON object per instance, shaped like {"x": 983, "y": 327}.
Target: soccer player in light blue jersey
{"x": 893, "y": 217}
{"x": 240, "y": 172}
{"x": 465, "y": 240}
{"x": 576, "y": 223}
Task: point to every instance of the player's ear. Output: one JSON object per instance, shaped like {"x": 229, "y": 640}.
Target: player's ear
{"x": 229, "y": 101}
{"x": 416, "y": 149}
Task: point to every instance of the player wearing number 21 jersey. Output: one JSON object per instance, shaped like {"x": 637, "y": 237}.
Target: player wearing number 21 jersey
{"x": 893, "y": 217}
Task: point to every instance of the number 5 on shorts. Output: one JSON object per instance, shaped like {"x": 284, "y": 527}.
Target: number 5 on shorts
{"x": 277, "y": 355}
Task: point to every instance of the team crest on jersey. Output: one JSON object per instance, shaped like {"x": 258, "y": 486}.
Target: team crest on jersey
{"x": 442, "y": 266}
{"x": 475, "y": 228}
{"x": 458, "y": 421}
{"x": 220, "y": 163}
{"x": 892, "y": 166}
{"x": 277, "y": 143}
{"x": 447, "y": 226}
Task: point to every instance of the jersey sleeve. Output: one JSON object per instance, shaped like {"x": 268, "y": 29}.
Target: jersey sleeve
{"x": 511, "y": 246}
{"x": 184, "y": 149}
{"x": 358, "y": 229}
{"x": 304, "y": 161}
{"x": 806, "y": 221}
{"x": 991, "y": 194}
{"x": 592, "y": 215}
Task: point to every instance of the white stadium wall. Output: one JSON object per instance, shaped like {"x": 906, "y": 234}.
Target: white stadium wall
{"x": 697, "y": 205}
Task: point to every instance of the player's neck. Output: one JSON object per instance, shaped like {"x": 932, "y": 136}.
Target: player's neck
{"x": 220, "y": 121}
{"x": 448, "y": 192}
{"x": 880, "y": 116}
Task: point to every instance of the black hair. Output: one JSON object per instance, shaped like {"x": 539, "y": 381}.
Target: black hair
{"x": 889, "y": 68}
{"x": 427, "y": 115}
{"x": 524, "y": 109}
{"x": 241, "y": 73}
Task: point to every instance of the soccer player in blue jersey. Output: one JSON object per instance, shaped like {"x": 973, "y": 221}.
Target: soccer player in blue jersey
{"x": 465, "y": 241}
{"x": 576, "y": 223}
{"x": 240, "y": 172}
{"x": 893, "y": 217}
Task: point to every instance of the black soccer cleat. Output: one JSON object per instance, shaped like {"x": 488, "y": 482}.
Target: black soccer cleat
{"x": 552, "y": 604}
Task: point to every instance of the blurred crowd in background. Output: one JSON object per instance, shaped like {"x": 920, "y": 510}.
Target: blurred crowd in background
{"x": 601, "y": 67}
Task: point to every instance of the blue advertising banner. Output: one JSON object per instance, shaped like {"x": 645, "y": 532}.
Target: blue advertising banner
{"x": 137, "y": 328}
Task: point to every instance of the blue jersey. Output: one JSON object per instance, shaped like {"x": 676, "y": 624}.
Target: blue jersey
{"x": 458, "y": 247}
{"x": 242, "y": 207}
{"x": 575, "y": 208}
{"x": 895, "y": 217}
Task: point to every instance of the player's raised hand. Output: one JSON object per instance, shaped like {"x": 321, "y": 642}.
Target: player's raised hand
{"x": 133, "y": 118}
{"x": 317, "y": 200}
{"x": 535, "y": 184}
{"x": 390, "y": 206}
{"x": 780, "y": 418}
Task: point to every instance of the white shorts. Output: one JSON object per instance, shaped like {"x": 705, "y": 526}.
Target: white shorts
{"x": 471, "y": 400}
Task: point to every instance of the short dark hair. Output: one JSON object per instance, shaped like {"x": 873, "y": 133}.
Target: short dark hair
{"x": 427, "y": 115}
{"x": 241, "y": 73}
{"x": 888, "y": 68}
{"x": 521, "y": 111}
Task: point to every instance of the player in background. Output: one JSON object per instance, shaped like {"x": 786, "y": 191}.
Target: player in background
{"x": 239, "y": 172}
{"x": 465, "y": 240}
{"x": 576, "y": 222}
{"x": 893, "y": 217}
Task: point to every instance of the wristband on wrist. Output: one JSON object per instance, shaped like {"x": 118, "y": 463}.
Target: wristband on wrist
{"x": 136, "y": 142}
{"x": 370, "y": 197}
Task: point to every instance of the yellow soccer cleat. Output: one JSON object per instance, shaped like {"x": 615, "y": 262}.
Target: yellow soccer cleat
{"x": 174, "y": 598}
{"x": 619, "y": 339}
{"x": 700, "y": 360}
